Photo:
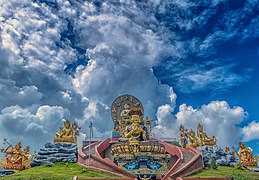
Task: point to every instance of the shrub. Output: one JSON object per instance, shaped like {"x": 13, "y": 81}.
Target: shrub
{"x": 213, "y": 163}
{"x": 207, "y": 166}
{"x": 48, "y": 164}
{"x": 175, "y": 143}
{"x": 235, "y": 176}
{"x": 239, "y": 166}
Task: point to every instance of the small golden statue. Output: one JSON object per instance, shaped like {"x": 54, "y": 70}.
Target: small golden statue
{"x": 125, "y": 112}
{"x": 246, "y": 156}
{"x": 183, "y": 136}
{"x": 15, "y": 158}
{"x": 193, "y": 140}
{"x": 227, "y": 150}
{"x": 204, "y": 139}
{"x": 233, "y": 152}
{"x": 68, "y": 133}
{"x": 135, "y": 132}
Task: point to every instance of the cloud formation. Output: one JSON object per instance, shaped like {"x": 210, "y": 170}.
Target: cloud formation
{"x": 33, "y": 129}
{"x": 251, "y": 131}
{"x": 71, "y": 59}
{"x": 217, "y": 117}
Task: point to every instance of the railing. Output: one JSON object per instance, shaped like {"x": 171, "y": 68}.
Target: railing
{"x": 166, "y": 139}
{"x": 93, "y": 139}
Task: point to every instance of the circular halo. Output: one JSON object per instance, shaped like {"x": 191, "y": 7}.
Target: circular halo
{"x": 118, "y": 105}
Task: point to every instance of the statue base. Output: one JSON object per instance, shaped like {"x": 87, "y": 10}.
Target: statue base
{"x": 4, "y": 172}
{"x": 146, "y": 159}
{"x": 68, "y": 139}
{"x": 15, "y": 167}
{"x": 55, "y": 152}
{"x": 250, "y": 164}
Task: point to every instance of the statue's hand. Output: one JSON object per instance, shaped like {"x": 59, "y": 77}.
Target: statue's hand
{"x": 132, "y": 131}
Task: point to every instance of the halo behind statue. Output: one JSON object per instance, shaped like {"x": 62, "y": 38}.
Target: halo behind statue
{"x": 123, "y": 103}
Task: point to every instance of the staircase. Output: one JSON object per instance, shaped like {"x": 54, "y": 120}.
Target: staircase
{"x": 187, "y": 157}
{"x": 192, "y": 163}
{"x": 94, "y": 161}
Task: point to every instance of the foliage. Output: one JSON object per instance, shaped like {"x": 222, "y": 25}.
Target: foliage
{"x": 236, "y": 176}
{"x": 213, "y": 163}
{"x": 239, "y": 166}
{"x": 207, "y": 166}
{"x": 49, "y": 164}
{"x": 176, "y": 143}
{"x": 58, "y": 171}
{"x": 223, "y": 172}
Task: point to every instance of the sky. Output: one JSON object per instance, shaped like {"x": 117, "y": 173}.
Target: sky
{"x": 187, "y": 61}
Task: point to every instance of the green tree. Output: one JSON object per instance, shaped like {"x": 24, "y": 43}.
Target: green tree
{"x": 213, "y": 163}
{"x": 175, "y": 143}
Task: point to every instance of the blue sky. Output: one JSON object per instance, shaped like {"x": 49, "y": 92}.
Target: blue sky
{"x": 188, "y": 62}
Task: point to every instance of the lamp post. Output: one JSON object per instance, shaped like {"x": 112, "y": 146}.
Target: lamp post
{"x": 90, "y": 136}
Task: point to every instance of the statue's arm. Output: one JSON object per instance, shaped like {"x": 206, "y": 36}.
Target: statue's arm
{"x": 6, "y": 149}
{"x": 128, "y": 134}
{"x": 144, "y": 135}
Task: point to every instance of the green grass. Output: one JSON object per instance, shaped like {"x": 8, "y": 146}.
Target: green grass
{"x": 58, "y": 171}
{"x": 223, "y": 172}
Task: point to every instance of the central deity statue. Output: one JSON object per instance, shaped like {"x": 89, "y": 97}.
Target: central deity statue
{"x": 135, "y": 131}
{"x": 127, "y": 115}
{"x": 134, "y": 151}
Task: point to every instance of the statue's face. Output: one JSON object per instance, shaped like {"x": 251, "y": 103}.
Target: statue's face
{"x": 18, "y": 146}
{"x": 127, "y": 106}
{"x": 67, "y": 125}
{"x": 26, "y": 150}
{"x": 135, "y": 118}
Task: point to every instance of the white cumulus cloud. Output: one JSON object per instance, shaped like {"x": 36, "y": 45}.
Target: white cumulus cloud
{"x": 218, "y": 118}
{"x": 251, "y": 131}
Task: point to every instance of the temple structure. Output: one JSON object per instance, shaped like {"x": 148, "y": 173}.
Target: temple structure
{"x": 132, "y": 152}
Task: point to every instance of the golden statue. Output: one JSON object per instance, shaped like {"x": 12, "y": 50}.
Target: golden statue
{"x": 135, "y": 132}
{"x": 193, "y": 140}
{"x": 68, "y": 133}
{"x": 204, "y": 139}
{"x": 125, "y": 112}
{"x": 183, "y": 136}
{"x": 15, "y": 158}
{"x": 227, "y": 150}
{"x": 246, "y": 156}
{"x": 27, "y": 157}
